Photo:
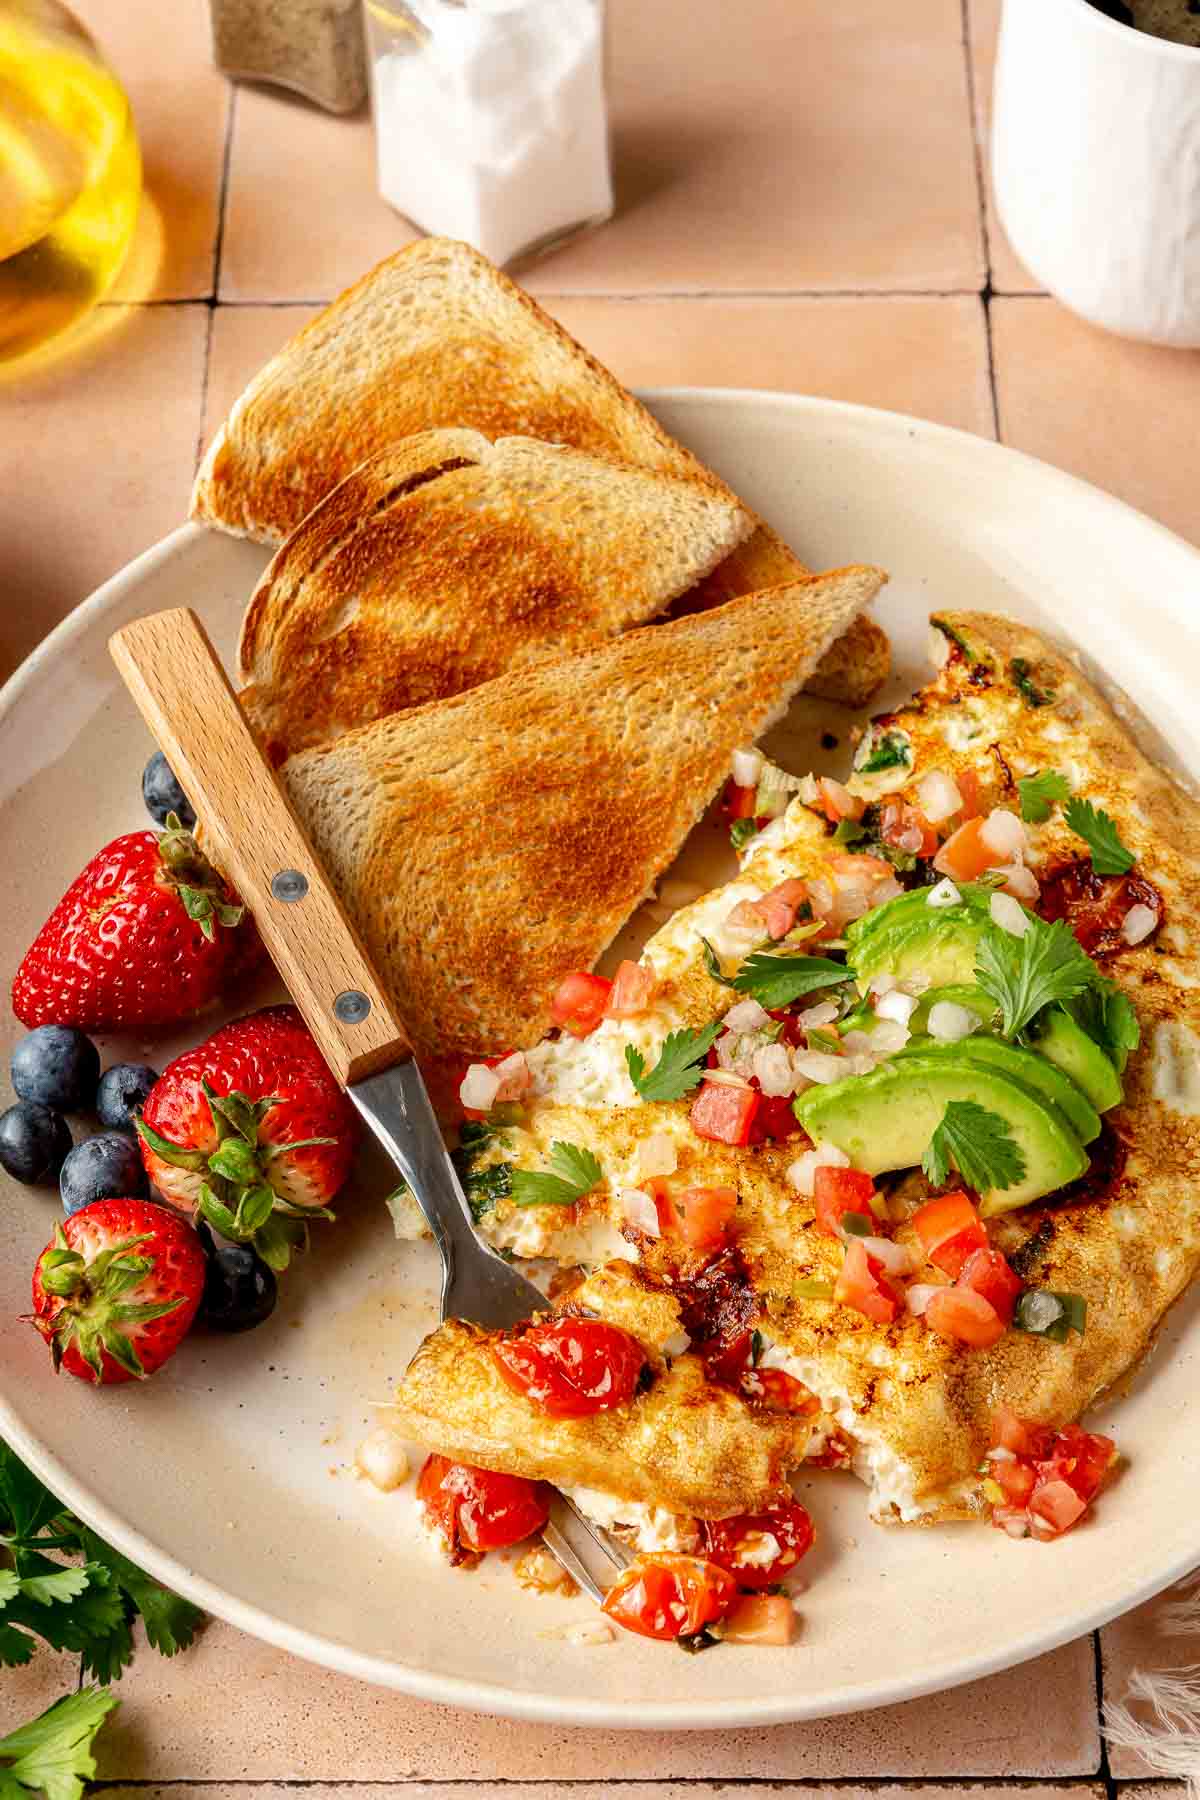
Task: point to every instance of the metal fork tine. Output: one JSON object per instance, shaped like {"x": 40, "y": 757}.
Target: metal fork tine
{"x": 567, "y": 1533}
{"x": 610, "y": 1546}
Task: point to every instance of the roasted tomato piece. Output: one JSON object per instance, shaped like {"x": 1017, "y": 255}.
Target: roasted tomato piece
{"x": 964, "y": 1317}
{"x": 729, "y": 1362}
{"x": 779, "y": 1392}
{"x": 965, "y": 856}
{"x": 837, "y": 1192}
{"x": 759, "y": 1549}
{"x": 1083, "y": 1459}
{"x": 862, "y": 1284}
{"x": 479, "y": 1509}
{"x": 949, "y": 1229}
{"x": 738, "y": 802}
{"x": 699, "y": 1217}
{"x": 991, "y": 1275}
{"x": 632, "y": 991}
{"x": 571, "y": 1367}
{"x": 670, "y": 1596}
{"x": 1094, "y": 906}
{"x": 579, "y": 1002}
{"x": 724, "y": 1114}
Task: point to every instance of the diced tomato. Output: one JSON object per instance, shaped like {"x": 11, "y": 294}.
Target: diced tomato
{"x": 861, "y": 1284}
{"x": 632, "y": 991}
{"x": 775, "y": 1119}
{"x": 579, "y": 1002}
{"x": 1050, "y": 1479}
{"x": 760, "y": 1619}
{"x": 480, "y": 1509}
{"x": 729, "y": 1362}
{"x": 1016, "y": 1478}
{"x": 780, "y": 906}
{"x": 741, "y": 1543}
{"x": 571, "y": 1367}
{"x": 1057, "y": 1505}
{"x": 1012, "y": 1433}
{"x": 964, "y": 856}
{"x": 970, "y": 788}
{"x": 1082, "y": 1459}
{"x": 949, "y": 1229}
{"x": 670, "y": 1596}
{"x": 793, "y": 1033}
{"x": 991, "y": 1275}
{"x": 724, "y": 1114}
{"x": 738, "y": 802}
{"x": 840, "y": 1191}
{"x": 853, "y": 867}
{"x": 839, "y": 802}
{"x": 905, "y": 827}
{"x": 965, "y": 1317}
{"x": 699, "y": 1216}
{"x": 779, "y": 1392}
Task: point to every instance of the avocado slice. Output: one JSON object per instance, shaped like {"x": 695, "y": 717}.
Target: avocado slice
{"x": 959, "y": 994}
{"x": 938, "y": 943}
{"x": 885, "y": 1120}
{"x": 976, "y": 896}
{"x": 1045, "y": 1078}
{"x": 1057, "y": 1037}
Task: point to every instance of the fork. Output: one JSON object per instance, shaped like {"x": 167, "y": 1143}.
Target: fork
{"x": 178, "y": 684}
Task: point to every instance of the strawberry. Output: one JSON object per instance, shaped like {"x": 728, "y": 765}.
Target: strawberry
{"x": 251, "y": 1130}
{"x": 147, "y": 935}
{"x": 116, "y": 1289}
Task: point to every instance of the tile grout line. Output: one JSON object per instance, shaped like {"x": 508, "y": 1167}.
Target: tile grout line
{"x": 1048, "y": 1785}
{"x": 211, "y": 300}
{"x": 981, "y": 195}
{"x": 714, "y": 296}
{"x": 1106, "y": 1774}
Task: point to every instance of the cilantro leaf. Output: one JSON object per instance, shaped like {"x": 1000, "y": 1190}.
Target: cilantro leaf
{"x": 1108, "y": 1017}
{"x": 978, "y": 1143}
{"x": 574, "y": 1172}
{"x": 741, "y": 831}
{"x": 1099, "y": 833}
{"x": 55, "y": 1584}
{"x": 1040, "y": 793}
{"x": 887, "y": 750}
{"x": 1026, "y": 686}
{"x": 53, "y": 1753}
{"x": 776, "y": 981}
{"x": 1024, "y": 974}
{"x": 24, "y": 1502}
{"x": 170, "y": 1621}
{"x": 677, "y": 1070}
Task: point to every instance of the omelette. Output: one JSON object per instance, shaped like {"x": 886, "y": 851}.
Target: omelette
{"x": 886, "y": 1153}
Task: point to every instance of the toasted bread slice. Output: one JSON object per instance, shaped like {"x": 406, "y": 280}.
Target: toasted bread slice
{"x": 436, "y": 336}
{"x": 489, "y": 843}
{"x": 445, "y": 560}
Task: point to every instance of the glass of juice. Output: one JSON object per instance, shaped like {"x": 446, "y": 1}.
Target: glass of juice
{"x": 70, "y": 174}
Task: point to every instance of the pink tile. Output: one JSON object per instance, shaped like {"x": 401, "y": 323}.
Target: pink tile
{"x": 772, "y": 149}
{"x": 180, "y": 104}
{"x": 243, "y": 339}
{"x": 1009, "y": 274}
{"x": 603, "y": 1790}
{"x": 96, "y": 460}
{"x": 28, "y": 1691}
{"x": 234, "y": 1709}
{"x": 1120, "y": 414}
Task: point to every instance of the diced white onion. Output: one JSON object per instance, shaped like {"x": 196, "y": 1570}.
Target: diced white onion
{"x": 514, "y": 1075}
{"x": 677, "y": 1343}
{"x": 1003, "y": 833}
{"x": 918, "y": 1296}
{"x": 809, "y": 790}
{"x": 948, "y": 1021}
{"x": 747, "y": 767}
{"x": 1039, "y": 1309}
{"x": 745, "y": 923}
{"x": 938, "y": 795}
{"x": 773, "y": 1069}
{"x": 856, "y": 1043}
{"x": 896, "y": 1005}
{"x": 858, "y": 1065}
{"x": 479, "y": 1088}
{"x": 887, "y": 889}
{"x": 813, "y": 1017}
{"x": 639, "y": 1210}
{"x": 938, "y": 647}
{"x": 821, "y": 1156}
{"x": 944, "y": 894}
{"x": 882, "y": 984}
{"x": 888, "y": 1037}
{"x": 657, "y": 1155}
{"x": 894, "y": 1257}
{"x": 1008, "y": 914}
{"x": 820, "y": 896}
{"x": 1020, "y": 882}
{"x": 382, "y": 1458}
{"x": 725, "y": 1078}
{"x": 747, "y": 1015}
{"x": 1138, "y": 923}
{"x": 816, "y": 1065}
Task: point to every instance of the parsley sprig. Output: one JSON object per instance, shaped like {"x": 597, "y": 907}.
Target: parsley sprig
{"x": 52, "y": 1754}
{"x": 1024, "y": 974}
{"x": 1040, "y": 793}
{"x": 678, "y": 1068}
{"x": 1099, "y": 833}
{"x": 573, "y": 1173}
{"x": 979, "y": 1144}
{"x": 776, "y": 981}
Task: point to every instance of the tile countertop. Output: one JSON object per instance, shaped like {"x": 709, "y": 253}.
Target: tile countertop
{"x": 827, "y": 230}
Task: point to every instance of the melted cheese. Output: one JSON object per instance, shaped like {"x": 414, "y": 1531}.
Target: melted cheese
{"x": 1175, "y": 1053}
{"x": 649, "y": 1528}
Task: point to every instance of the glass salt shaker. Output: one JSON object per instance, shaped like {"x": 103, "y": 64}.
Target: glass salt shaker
{"x": 491, "y": 121}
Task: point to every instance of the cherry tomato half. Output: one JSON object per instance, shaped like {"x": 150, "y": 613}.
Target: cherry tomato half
{"x": 571, "y": 1367}
{"x": 759, "y": 1549}
{"x": 480, "y": 1509}
{"x": 670, "y": 1596}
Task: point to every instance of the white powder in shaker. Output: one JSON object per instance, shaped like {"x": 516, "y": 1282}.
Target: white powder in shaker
{"x": 491, "y": 122}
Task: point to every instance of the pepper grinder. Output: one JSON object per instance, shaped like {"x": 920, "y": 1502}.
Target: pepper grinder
{"x": 314, "y": 47}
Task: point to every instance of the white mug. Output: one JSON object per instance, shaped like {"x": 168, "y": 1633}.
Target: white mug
{"x": 1096, "y": 166}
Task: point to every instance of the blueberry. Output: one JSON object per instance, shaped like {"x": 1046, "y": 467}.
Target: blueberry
{"x": 33, "y": 1142}
{"x": 239, "y": 1288}
{"x": 108, "y": 1167}
{"x": 163, "y": 794}
{"x": 1114, "y": 9}
{"x": 122, "y": 1093}
{"x": 58, "y": 1067}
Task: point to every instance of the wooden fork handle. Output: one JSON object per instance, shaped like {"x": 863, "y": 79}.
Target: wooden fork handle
{"x": 170, "y": 667}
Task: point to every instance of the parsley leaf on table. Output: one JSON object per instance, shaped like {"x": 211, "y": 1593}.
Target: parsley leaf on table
{"x": 976, "y": 1142}
{"x": 574, "y": 1173}
{"x": 1039, "y": 794}
{"x": 776, "y": 981}
{"x": 1099, "y": 833}
{"x": 678, "y": 1069}
{"x": 1024, "y": 974}
{"x": 52, "y": 1755}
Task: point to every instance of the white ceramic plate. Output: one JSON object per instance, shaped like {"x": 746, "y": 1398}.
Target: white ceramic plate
{"x": 227, "y": 1474}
